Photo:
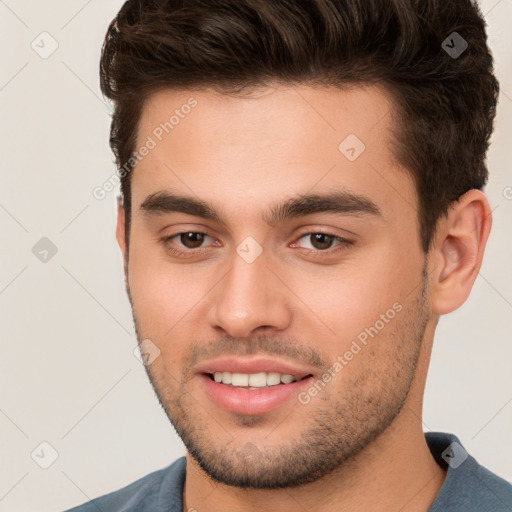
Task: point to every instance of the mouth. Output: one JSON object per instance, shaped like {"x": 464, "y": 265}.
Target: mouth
{"x": 253, "y": 394}
{"x": 255, "y": 381}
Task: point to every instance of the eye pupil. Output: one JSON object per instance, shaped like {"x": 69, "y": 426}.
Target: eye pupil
{"x": 195, "y": 239}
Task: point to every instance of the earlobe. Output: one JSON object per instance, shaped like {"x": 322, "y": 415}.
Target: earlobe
{"x": 458, "y": 251}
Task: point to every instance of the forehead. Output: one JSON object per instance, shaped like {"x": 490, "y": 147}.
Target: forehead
{"x": 244, "y": 151}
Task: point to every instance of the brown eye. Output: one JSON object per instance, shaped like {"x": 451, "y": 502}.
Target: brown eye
{"x": 192, "y": 240}
{"x": 185, "y": 243}
{"x": 321, "y": 240}
{"x": 321, "y": 244}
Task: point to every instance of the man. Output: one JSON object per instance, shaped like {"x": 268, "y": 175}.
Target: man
{"x": 301, "y": 201}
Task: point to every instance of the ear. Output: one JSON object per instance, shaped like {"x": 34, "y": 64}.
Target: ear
{"x": 458, "y": 250}
{"x": 120, "y": 228}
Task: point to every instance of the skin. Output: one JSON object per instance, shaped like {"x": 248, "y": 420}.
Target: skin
{"x": 359, "y": 444}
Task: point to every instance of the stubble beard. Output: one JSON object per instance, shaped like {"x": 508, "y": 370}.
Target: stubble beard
{"x": 347, "y": 421}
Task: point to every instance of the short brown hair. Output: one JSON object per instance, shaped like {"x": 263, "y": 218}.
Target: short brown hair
{"x": 445, "y": 103}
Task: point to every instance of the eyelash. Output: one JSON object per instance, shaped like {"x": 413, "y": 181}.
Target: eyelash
{"x": 344, "y": 244}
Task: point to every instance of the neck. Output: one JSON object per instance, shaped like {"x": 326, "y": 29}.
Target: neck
{"x": 394, "y": 472}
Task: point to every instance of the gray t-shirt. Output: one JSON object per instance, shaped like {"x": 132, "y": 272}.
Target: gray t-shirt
{"x": 468, "y": 487}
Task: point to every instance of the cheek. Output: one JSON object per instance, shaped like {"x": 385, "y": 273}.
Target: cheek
{"x": 351, "y": 297}
{"x": 364, "y": 306}
{"x": 168, "y": 298}
{"x": 162, "y": 294}
{"x": 161, "y": 301}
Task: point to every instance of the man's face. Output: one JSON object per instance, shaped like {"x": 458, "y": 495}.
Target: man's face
{"x": 335, "y": 297}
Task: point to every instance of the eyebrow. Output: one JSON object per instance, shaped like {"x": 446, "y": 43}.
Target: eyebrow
{"x": 340, "y": 202}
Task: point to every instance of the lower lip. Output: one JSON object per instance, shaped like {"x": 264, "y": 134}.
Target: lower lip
{"x": 252, "y": 401}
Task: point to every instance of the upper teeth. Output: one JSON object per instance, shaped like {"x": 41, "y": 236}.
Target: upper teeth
{"x": 256, "y": 380}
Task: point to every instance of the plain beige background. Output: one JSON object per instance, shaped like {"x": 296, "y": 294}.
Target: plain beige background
{"x": 68, "y": 375}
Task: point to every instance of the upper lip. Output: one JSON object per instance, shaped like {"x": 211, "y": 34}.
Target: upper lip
{"x": 253, "y": 365}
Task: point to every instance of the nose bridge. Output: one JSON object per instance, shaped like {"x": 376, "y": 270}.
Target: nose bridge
{"x": 248, "y": 297}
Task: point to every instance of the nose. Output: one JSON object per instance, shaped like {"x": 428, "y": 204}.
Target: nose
{"x": 250, "y": 297}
